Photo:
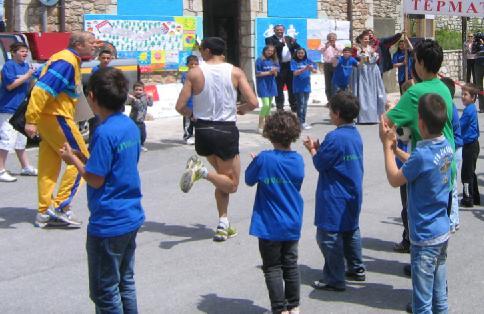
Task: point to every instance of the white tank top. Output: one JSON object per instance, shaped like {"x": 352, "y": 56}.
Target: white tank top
{"x": 218, "y": 99}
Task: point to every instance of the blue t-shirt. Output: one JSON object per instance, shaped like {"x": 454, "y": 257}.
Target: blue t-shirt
{"x": 342, "y": 72}
{"x": 95, "y": 69}
{"x": 278, "y": 205}
{"x": 116, "y": 206}
{"x": 339, "y": 161}
{"x": 399, "y": 57}
{"x": 428, "y": 175}
{"x": 190, "y": 100}
{"x": 266, "y": 85}
{"x": 469, "y": 124}
{"x": 301, "y": 83}
{"x": 11, "y": 100}
{"x": 456, "y": 127}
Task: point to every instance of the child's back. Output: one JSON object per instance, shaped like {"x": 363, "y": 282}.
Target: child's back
{"x": 278, "y": 205}
{"x": 339, "y": 162}
{"x": 116, "y": 206}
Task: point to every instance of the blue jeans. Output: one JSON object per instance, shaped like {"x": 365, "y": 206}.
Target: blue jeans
{"x": 336, "y": 247}
{"x": 454, "y": 212}
{"x": 279, "y": 264}
{"x": 111, "y": 273}
{"x": 302, "y": 106}
{"x": 429, "y": 278}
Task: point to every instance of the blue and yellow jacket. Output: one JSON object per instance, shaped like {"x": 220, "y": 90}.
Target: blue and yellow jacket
{"x": 56, "y": 92}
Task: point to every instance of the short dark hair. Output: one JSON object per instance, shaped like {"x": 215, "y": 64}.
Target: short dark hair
{"x": 346, "y": 105}
{"x": 450, "y": 85}
{"x": 348, "y": 49}
{"x": 429, "y": 52}
{"x": 472, "y": 89}
{"x": 282, "y": 127}
{"x": 433, "y": 112}
{"x": 191, "y": 58}
{"x": 300, "y": 49}
{"x": 216, "y": 45}
{"x": 109, "y": 87}
{"x": 17, "y": 46}
{"x": 105, "y": 51}
{"x": 138, "y": 84}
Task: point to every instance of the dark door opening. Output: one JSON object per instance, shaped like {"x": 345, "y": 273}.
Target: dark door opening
{"x": 221, "y": 18}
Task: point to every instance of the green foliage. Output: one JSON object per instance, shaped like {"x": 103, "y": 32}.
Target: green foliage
{"x": 448, "y": 39}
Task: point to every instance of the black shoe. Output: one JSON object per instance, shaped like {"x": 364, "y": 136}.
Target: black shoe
{"x": 402, "y": 247}
{"x": 466, "y": 203}
{"x": 407, "y": 270}
{"x": 408, "y": 308}
{"x": 322, "y": 286}
{"x": 358, "y": 275}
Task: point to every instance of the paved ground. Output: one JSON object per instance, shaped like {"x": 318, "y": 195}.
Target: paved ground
{"x": 179, "y": 269}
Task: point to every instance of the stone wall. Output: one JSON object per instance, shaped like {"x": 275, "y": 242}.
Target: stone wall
{"x": 452, "y": 64}
{"x": 455, "y": 23}
{"x": 389, "y": 9}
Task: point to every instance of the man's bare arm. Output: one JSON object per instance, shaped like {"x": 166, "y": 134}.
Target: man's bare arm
{"x": 185, "y": 94}
{"x": 244, "y": 87}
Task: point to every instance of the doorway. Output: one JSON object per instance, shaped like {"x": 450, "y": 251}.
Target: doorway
{"x": 221, "y": 18}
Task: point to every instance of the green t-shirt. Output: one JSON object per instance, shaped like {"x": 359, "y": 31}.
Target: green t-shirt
{"x": 405, "y": 112}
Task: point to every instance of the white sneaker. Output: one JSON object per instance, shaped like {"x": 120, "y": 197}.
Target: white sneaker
{"x": 29, "y": 171}
{"x": 190, "y": 141}
{"x": 144, "y": 149}
{"x": 306, "y": 126}
{"x": 6, "y": 177}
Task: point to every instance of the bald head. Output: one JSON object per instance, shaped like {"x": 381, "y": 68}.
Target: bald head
{"x": 83, "y": 43}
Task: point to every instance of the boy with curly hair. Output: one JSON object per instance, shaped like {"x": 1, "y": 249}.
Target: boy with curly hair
{"x": 278, "y": 210}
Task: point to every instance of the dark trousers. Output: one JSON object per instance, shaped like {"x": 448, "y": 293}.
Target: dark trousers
{"x": 187, "y": 127}
{"x": 471, "y": 71}
{"x": 470, "y": 153}
{"x": 142, "y": 131}
{"x": 279, "y": 263}
{"x": 93, "y": 123}
{"x": 285, "y": 77}
{"x": 479, "y": 71}
{"x": 328, "y": 79}
{"x": 403, "y": 214}
{"x": 111, "y": 273}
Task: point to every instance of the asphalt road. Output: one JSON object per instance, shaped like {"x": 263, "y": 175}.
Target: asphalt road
{"x": 179, "y": 269}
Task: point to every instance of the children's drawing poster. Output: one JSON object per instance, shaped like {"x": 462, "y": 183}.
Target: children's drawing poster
{"x": 160, "y": 43}
{"x": 309, "y": 33}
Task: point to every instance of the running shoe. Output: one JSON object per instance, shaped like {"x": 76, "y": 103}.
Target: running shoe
{"x": 306, "y": 126}
{"x": 48, "y": 218}
{"x": 358, "y": 275}
{"x": 6, "y": 177}
{"x": 223, "y": 233}
{"x": 192, "y": 173}
{"x": 190, "y": 141}
{"x": 29, "y": 171}
{"x": 68, "y": 217}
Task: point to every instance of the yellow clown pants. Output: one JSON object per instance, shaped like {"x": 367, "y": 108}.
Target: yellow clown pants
{"x": 55, "y": 131}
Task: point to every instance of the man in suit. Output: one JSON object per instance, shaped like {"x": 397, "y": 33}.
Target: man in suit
{"x": 285, "y": 47}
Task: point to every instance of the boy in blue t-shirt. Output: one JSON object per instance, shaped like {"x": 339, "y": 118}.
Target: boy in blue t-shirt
{"x": 113, "y": 194}
{"x": 278, "y": 210}
{"x": 427, "y": 173}
{"x": 339, "y": 161}
{"x": 192, "y": 61}
{"x": 343, "y": 69}
{"x": 470, "y": 151}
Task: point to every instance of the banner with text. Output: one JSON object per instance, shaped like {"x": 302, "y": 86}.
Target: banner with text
{"x": 469, "y": 8}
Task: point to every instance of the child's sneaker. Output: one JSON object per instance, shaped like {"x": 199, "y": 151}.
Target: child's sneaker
{"x": 358, "y": 275}
{"x": 6, "y": 177}
{"x": 48, "y": 218}
{"x": 68, "y": 217}
{"x": 194, "y": 171}
{"x": 190, "y": 141}
{"x": 223, "y": 233}
{"x": 29, "y": 171}
{"x": 144, "y": 149}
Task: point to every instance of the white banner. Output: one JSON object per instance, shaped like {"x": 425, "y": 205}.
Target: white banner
{"x": 469, "y": 8}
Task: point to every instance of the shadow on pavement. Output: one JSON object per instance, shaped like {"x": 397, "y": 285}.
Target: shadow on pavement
{"x": 10, "y": 216}
{"x": 166, "y": 144}
{"x": 477, "y": 212}
{"x": 196, "y": 232}
{"x": 377, "y": 244}
{"x": 374, "y": 295}
{"x": 213, "y": 304}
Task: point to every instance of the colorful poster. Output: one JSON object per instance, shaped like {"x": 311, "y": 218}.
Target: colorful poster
{"x": 150, "y": 39}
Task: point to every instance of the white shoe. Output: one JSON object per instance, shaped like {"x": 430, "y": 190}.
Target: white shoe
{"x": 306, "y": 126}
{"x": 6, "y": 177}
{"x": 29, "y": 171}
{"x": 190, "y": 141}
{"x": 144, "y": 149}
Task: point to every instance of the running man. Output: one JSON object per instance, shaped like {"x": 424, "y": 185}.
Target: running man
{"x": 214, "y": 86}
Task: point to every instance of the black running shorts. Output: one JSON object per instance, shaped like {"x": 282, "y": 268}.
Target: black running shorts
{"x": 219, "y": 138}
